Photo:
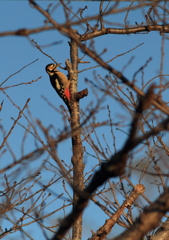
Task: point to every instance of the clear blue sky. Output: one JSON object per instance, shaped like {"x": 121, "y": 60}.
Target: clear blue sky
{"x": 16, "y": 52}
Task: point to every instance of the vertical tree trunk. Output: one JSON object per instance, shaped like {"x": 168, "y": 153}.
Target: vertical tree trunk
{"x": 77, "y": 148}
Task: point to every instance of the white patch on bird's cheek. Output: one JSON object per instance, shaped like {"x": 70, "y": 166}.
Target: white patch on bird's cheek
{"x": 50, "y": 73}
{"x": 52, "y": 68}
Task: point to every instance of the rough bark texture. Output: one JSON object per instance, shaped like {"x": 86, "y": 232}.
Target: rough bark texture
{"x": 162, "y": 233}
{"x": 77, "y": 149}
{"x": 148, "y": 220}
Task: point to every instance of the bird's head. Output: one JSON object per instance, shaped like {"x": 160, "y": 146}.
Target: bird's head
{"x": 51, "y": 69}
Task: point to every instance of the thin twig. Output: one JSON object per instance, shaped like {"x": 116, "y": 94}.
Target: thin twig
{"x": 10, "y": 131}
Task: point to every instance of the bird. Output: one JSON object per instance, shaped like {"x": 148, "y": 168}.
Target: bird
{"x": 59, "y": 82}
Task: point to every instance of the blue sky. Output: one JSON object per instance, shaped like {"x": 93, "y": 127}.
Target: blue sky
{"x": 16, "y": 52}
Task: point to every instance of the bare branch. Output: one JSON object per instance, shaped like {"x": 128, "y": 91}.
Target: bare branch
{"x": 109, "y": 223}
{"x": 17, "y": 72}
{"x": 10, "y": 131}
{"x": 148, "y": 220}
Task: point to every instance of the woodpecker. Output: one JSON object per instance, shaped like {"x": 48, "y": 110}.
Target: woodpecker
{"x": 59, "y": 82}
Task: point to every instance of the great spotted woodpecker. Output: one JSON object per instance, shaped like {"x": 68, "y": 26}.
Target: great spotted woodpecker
{"x": 59, "y": 82}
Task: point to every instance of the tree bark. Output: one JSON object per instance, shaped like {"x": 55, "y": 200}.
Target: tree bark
{"x": 77, "y": 148}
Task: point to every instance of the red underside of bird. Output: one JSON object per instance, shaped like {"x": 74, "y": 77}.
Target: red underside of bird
{"x": 67, "y": 93}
